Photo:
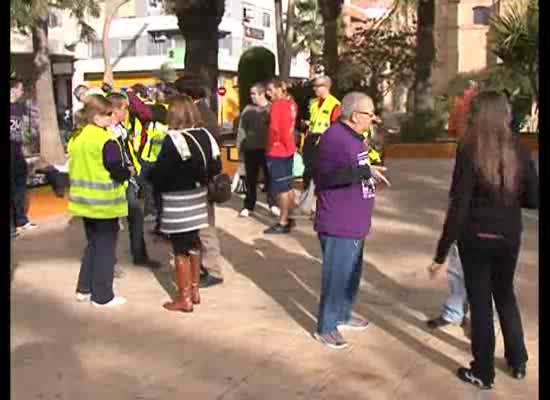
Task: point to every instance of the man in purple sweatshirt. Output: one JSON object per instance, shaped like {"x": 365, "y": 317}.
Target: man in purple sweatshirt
{"x": 345, "y": 201}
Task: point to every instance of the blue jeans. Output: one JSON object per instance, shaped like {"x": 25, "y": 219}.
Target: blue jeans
{"x": 454, "y": 308}
{"x": 135, "y": 225}
{"x": 19, "y": 198}
{"x": 98, "y": 264}
{"x": 342, "y": 268}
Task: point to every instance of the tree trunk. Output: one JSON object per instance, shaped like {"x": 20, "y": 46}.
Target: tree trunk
{"x": 111, "y": 8}
{"x": 199, "y": 24}
{"x": 285, "y": 36}
{"x": 51, "y": 147}
{"x": 330, "y": 48}
{"x": 425, "y": 56}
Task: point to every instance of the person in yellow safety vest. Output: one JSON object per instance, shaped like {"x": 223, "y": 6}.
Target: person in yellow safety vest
{"x": 156, "y": 132}
{"x": 138, "y": 247}
{"x": 97, "y": 194}
{"x": 324, "y": 110}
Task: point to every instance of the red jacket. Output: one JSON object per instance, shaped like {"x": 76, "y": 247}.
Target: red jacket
{"x": 282, "y": 122}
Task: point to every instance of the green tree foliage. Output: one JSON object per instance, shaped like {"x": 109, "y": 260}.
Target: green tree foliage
{"x": 514, "y": 38}
{"x": 257, "y": 64}
{"x": 31, "y": 17}
{"x": 375, "y": 59}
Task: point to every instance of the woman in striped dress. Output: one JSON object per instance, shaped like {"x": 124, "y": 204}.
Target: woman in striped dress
{"x": 188, "y": 160}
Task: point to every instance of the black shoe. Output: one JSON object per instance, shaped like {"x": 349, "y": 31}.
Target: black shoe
{"x": 278, "y": 229}
{"x": 437, "y": 322}
{"x": 519, "y": 372}
{"x": 153, "y": 264}
{"x": 467, "y": 375}
{"x": 291, "y": 223}
{"x": 208, "y": 280}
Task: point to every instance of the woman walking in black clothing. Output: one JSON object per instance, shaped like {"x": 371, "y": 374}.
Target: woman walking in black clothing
{"x": 494, "y": 177}
{"x": 188, "y": 159}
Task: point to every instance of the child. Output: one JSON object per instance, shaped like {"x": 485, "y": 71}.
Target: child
{"x": 97, "y": 194}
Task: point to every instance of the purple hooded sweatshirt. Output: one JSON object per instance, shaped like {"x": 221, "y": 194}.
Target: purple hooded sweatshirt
{"x": 343, "y": 212}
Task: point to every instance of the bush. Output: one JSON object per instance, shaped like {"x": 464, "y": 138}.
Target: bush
{"x": 422, "y": 127}
{"x": 257, "y": 64}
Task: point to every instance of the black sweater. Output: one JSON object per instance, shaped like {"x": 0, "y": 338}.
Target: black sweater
{"x": 476, "y": 209}
{"x": 170, "y": 173}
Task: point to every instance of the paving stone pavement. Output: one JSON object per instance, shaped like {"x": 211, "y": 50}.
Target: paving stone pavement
{"x": 251, "y": 337}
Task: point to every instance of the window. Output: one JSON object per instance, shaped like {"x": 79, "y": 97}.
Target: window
{"x": 127, "y": 48}
{"x": 266, "y": 20}
{"x": 159, "y": 46}
{"x": 482, "y": 15}
{"x": 226, "y": 44}
{"x": 54, "y": 20}
{"x": 96, "y": 49}
{"x": 248, "y": 14}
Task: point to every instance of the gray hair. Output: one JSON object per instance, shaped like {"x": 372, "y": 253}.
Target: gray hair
{"x": 350, "y": 103}
{"x": 324, "y": 78}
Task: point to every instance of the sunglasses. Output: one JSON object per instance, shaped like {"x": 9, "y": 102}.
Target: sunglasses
{"x": 107, "y": 114}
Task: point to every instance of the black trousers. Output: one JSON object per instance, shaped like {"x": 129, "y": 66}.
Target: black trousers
{"x": 489, "y": 267}
{"x": 253, "y": 161}
{"x": 135, "y": 226}
{"x": 308, "y": 155}
{"x": 98, "y": 264}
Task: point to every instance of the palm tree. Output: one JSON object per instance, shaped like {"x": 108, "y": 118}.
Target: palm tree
{"x": 308, "y": 36}
{"x": 514, "y": 38}
{"x": 32, "y": 15}
{"x": 331, "y": 11}
{"x": 198, "y": 21}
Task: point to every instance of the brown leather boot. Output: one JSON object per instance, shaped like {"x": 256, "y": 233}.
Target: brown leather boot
{"x": 183, "y": 280}
{"x": 195, "y": 278}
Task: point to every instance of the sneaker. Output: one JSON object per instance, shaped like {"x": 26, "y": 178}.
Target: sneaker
{"x": 437, "y": 322}
{"x": 334, "y": 340}
{"x": 244, "y": 213}
{"x": 29, "y": 226}
{"x": 116, "y": 301}
{"x": 519, "y": 372}
{"x": 354, "y": 324}
{"x": 150, "y": 218}
{"x": 83, "y": 297}
{"x": 467, "y": 375}
{"x": 276, "y": 211}
{"x": 278, "y": 229}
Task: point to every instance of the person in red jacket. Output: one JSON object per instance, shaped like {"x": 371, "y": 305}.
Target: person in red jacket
{"x": 280, "y": 150}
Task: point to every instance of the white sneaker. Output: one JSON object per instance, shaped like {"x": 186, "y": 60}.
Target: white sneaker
{"x": 116, "y": 301}
{"x": 29, "y": 226}
{"x": 245, "y": 212}
{"x": 275, "y": 211}
{"x": 83, "y": 297}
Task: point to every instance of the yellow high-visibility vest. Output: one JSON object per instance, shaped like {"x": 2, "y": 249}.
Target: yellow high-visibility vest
{"x": 156, "y": 133}
{"x": 93, "y": 193}
{"x": 319, "y": 117}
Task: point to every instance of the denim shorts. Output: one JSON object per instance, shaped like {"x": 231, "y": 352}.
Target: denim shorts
{"x": 280, "y": 171}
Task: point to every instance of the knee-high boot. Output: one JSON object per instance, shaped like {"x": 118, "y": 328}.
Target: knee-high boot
{"x": 195, "y": 277}
{"x": 183, "y": 280}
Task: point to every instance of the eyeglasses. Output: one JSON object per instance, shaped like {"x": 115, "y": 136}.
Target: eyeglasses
{"x": 319, "y": 85}
{"x": 370, "y": 114}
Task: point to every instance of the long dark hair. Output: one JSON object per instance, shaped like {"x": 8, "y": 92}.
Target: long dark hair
{"x": 494, "y": 150}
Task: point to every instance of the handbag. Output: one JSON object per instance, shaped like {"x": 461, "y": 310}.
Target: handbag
{"x": 219, "y": 187}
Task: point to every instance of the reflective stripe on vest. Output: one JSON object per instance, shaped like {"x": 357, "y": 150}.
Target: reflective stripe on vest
{"x": 93, "y": 194}
{"x": 319, "y": 119}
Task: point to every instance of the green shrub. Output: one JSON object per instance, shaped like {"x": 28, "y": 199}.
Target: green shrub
{"x": 257, "y": 64}
{"x": 422, "y": 127}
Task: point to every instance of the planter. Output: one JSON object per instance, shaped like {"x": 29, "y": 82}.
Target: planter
{"x": 420, "y": 150}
